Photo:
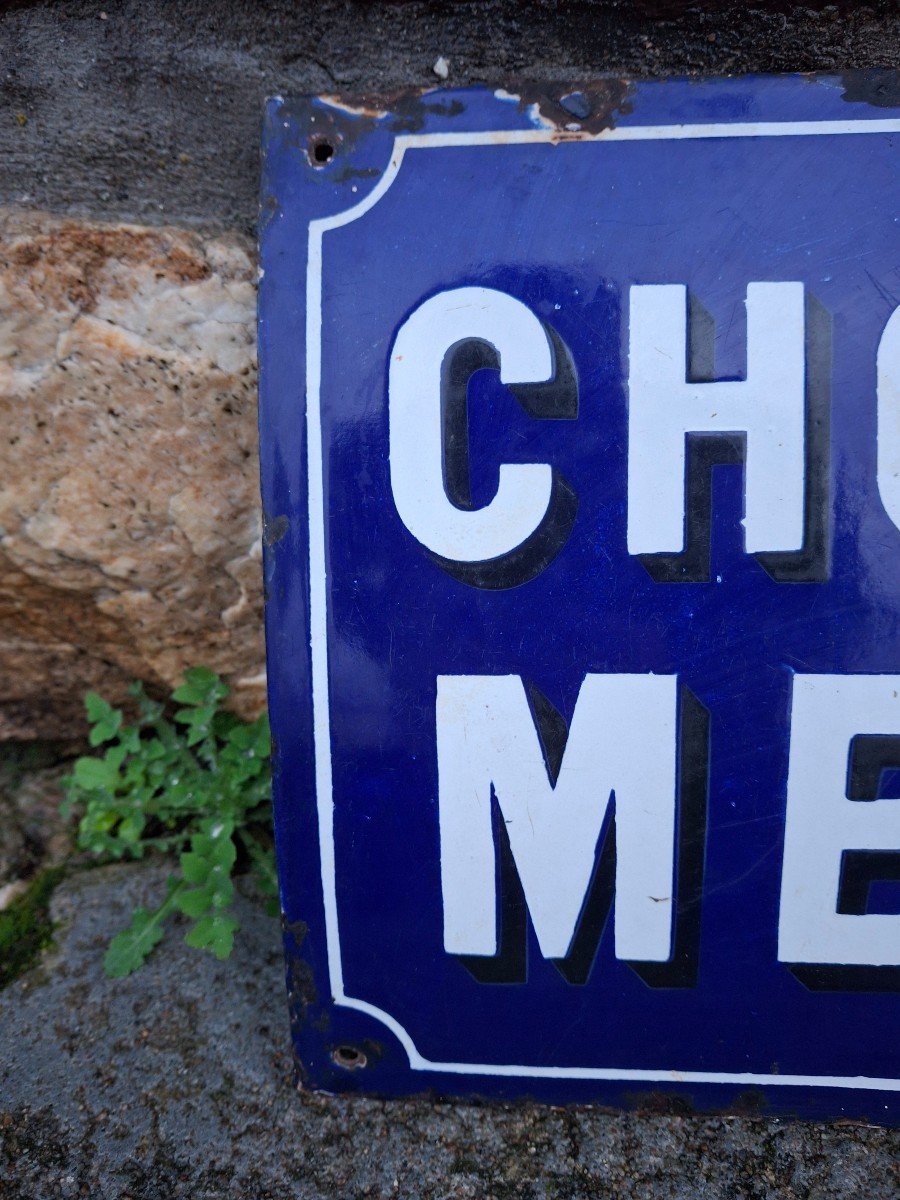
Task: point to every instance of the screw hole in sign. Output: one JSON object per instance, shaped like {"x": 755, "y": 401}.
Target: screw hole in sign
{"x": 349, "y": 1058}
{"x": 321, "y": 152}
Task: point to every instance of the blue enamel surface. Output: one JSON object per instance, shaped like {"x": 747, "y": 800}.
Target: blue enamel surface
{"x": 567, "y": 229}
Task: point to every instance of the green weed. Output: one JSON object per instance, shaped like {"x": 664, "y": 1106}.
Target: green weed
{"x": 197, "y": 786}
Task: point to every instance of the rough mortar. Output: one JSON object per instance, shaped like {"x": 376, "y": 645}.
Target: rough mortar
{"x": 150, "y": 109}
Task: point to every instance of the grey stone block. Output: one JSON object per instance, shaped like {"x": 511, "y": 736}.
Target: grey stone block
{"x": 177, "y": 1083}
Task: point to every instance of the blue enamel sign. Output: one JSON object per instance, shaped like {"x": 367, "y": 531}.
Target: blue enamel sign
{"x": 580, "y": 422}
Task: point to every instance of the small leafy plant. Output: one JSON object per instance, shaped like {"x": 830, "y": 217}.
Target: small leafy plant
{"x": 196, "y": 785}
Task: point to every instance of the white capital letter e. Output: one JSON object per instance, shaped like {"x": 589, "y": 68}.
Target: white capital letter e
{"x": 827, "y": 712}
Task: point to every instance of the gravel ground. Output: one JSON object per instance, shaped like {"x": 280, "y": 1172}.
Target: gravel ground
{"x": 177, "y": 1083}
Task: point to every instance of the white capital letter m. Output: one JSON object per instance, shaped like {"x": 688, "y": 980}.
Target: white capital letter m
{"x": 621, "y": 748}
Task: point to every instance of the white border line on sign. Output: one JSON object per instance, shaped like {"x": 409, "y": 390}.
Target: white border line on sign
{"x": 318, "y": 586}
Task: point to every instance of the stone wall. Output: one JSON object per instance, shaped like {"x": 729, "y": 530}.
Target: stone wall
{"x": 129, "y": 521}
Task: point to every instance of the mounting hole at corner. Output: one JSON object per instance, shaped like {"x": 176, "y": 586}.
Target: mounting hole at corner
{"x": 320, "y": 151}
{"x": 349, "y": 1057}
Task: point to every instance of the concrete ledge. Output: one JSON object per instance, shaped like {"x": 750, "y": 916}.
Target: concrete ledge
{"x": 177, "y": 1083}
{"x": 152, "y": 110}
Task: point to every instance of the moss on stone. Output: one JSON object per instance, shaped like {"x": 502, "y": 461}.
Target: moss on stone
{"x": 25, "y": 925}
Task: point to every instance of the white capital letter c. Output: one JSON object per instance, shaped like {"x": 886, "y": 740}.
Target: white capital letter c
{"x": 415, "y": 420}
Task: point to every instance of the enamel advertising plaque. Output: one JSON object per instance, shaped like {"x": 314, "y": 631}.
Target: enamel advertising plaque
{"x": 580, "y": 421}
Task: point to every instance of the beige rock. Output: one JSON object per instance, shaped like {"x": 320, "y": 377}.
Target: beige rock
{"x": 129, "y": 503}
